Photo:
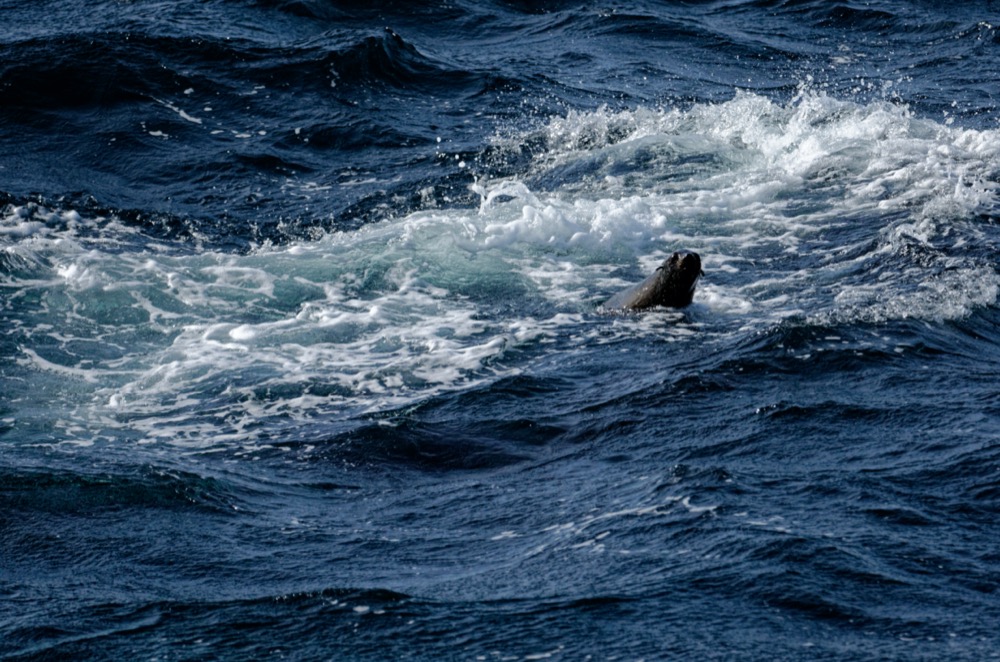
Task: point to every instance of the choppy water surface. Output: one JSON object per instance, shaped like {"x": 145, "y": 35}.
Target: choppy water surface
{"x": 302, "y": 353}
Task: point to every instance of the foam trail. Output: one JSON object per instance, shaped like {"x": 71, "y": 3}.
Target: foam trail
{"x": 820, "y": 208}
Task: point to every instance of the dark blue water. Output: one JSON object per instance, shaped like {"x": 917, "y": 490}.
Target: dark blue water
{"x": 302, "y": 354}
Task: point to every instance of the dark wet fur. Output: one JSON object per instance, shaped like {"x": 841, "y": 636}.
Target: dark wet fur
{"x": 672, "y": 285}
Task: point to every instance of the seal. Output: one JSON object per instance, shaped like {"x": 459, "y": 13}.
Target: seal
{"x": 672, "y": 285}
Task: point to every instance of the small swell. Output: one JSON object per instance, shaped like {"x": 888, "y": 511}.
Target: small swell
{"x": 196, "y": 628}
{"x": 900, "y": 515}
{"x": 443, "y": 446}
{"x": 73, "y": 493}
{"x": 842, "y": 15}
{"x": 388, "y": 59}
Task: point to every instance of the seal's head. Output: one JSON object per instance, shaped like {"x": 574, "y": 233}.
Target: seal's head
{"x": 678, "y": 276}
{"x": 672, "y": 285}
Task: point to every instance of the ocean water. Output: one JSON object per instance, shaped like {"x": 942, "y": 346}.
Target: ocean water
{"x": 302, "y": 354}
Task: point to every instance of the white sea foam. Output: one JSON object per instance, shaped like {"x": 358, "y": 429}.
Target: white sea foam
{"x": 208, "y": 345}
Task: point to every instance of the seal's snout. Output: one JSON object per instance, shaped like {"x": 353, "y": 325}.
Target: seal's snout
{"x": 687, "y": 262}
{"x": 688, "y": 268}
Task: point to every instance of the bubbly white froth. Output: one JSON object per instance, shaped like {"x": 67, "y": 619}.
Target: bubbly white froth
{"x": 200, "y": 348}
